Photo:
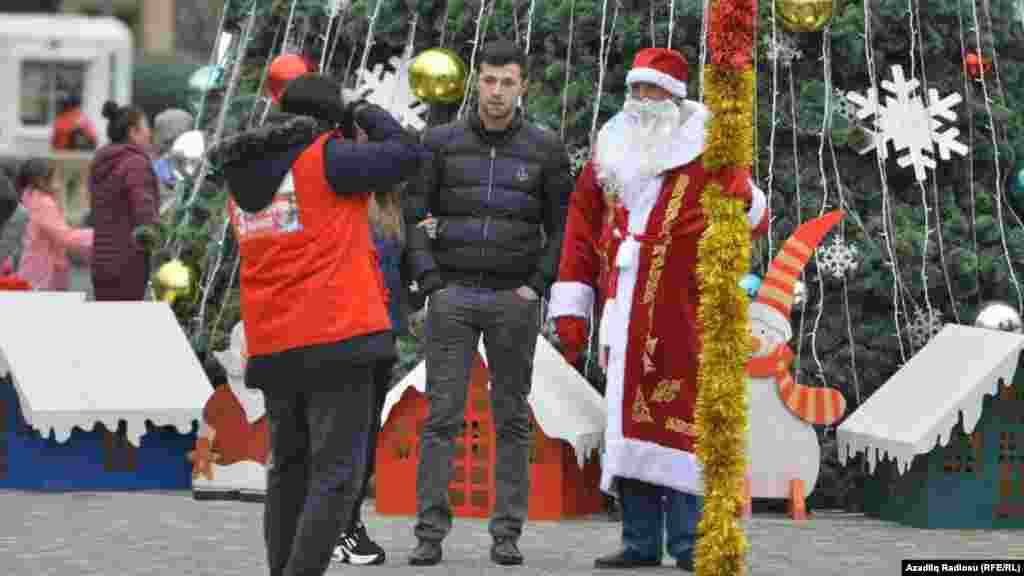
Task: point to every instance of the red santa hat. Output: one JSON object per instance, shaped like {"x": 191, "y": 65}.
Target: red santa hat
{"x": 662, "y": 67}
{"x": 774, "y": 302}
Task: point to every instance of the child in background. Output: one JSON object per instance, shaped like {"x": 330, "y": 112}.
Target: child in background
{"x": 44, "y": 262}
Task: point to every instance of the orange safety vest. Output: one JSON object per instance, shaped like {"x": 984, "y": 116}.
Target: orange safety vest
{"x": 309, "y": 272}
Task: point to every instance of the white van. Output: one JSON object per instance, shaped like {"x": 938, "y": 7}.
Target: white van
{"x": 46, "y": 56}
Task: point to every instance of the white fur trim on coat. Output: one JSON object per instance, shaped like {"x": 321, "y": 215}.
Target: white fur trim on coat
{"x": 570, "y": 299}
{"x": 652, "y": 76}
{"x": 604, "y": 331}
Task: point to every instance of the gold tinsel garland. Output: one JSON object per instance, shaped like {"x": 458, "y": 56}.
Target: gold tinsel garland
{"x": 723, "y": 257}
{"x": 729, "y": 95}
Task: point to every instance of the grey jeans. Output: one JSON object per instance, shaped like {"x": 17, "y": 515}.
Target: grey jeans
{"x": 456, "y": 318}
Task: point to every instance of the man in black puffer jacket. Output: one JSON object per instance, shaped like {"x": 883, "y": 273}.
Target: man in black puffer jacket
{"x": 485, "y": 253}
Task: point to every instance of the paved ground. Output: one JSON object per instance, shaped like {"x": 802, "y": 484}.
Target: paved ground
{"x": 153, "y": 534}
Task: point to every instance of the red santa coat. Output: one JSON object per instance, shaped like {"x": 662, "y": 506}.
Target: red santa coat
{"x": 640, "y": 256}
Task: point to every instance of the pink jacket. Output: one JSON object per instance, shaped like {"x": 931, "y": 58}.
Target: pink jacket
{"x": 44, "y": 261}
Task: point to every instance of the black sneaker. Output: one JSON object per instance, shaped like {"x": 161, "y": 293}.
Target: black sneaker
{"x": 426, "y": 553}
{"x": 356, "y": 548}
{"x": 504, "y": 552}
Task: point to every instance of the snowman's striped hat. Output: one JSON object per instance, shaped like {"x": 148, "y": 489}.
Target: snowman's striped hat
{"x": 774, "y": 302}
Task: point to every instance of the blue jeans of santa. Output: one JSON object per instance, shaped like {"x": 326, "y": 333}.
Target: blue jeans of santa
{"x": 655, "y": 516}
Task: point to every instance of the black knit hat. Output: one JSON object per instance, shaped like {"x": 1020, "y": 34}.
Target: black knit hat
{"x": 314, "y": 95}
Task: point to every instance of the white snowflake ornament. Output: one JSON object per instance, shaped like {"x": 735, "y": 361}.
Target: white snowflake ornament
{"x": 784, "y": 50}
{"x": 912, "y": 126}
{"x": 838, "y": 258}
{"x": 923, "y": 327}
{"x": 390, "y": 91}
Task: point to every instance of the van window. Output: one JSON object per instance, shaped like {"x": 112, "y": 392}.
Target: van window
{"x": 44, "y": 85}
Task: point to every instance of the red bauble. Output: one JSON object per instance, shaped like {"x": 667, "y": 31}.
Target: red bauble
{"x": 284, "y": 69}
{"x": 977, "y": 66}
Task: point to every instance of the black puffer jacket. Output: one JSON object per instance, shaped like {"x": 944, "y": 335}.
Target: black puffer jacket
{"x": 497, "y": 197}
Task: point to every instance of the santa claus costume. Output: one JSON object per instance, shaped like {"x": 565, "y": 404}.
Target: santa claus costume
{"x": 630, "y": 247}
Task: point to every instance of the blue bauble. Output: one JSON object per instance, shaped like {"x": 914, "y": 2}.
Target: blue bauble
{"x": 751, "y": 283}
{"x": 1018, "y": 182}
{"x": 1015, "y": 189}
{"x": 206, "y": 78}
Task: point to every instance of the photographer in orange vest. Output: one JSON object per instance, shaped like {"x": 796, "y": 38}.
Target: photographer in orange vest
{"x": 313, "y": 302}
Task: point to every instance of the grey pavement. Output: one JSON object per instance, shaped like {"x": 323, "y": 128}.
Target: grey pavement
{"x": 158, "y": 533}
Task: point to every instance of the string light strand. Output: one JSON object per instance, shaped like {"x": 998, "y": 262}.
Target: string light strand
{"x": 998, "y": 173}
{"x": 887, "y": 234}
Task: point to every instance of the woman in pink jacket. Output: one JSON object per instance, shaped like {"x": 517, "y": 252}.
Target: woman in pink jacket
{"x": 44, "y": 261}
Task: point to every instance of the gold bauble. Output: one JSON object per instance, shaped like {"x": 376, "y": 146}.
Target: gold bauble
{"x": 804, "y": 15}
{"x": 438, "y": 75}
{"x": 174, "y": 281}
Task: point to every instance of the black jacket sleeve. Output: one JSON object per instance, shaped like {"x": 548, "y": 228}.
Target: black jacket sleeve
{"x": 422, "y": 266}
{"x": 557, "y": 183}
{"x": 390, "y": 157}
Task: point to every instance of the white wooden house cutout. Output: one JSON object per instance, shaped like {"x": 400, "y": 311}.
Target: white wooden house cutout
{"x": 918, "y": 407}
{"x": 75, "y": 364}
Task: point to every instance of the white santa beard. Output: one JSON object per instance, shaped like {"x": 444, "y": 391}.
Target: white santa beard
{"x": 633, "y": 146}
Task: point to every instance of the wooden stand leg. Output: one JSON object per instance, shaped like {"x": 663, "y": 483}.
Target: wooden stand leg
{"x": 797, "y": 509}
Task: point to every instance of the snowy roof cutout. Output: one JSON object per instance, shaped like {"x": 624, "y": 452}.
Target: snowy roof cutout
{"x": 100, "y": 362}
{"x": 564, "y": 403}
{"x": 922, "y": 402}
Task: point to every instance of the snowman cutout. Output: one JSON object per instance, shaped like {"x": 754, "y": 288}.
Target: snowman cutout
{"x": 783, "y": 454}
{"x": 234, "y": 426}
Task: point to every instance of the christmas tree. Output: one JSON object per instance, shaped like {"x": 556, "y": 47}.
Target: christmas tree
{"x": 933, "y": 229}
